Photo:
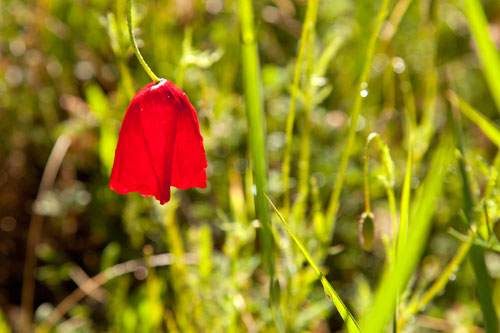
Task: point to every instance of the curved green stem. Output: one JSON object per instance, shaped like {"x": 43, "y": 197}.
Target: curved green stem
{"x": 333, "y": 204}
{"x": 389, "y": 181}
{"x": 138, "y": 54}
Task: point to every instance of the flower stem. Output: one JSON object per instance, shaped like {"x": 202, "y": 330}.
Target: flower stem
{"x": 333, "y": 204}
{"x": 134, "y": 45}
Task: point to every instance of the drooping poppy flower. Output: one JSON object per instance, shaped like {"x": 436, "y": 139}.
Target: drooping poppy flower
{"x": 159, "y": 145}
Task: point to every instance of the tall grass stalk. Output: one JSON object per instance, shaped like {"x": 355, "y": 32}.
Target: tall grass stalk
{"x": 437, "y": 286}
{"x": 486, "y": 125}
{"x": 117, "y": 31}
{"x": 257, "y": 142}
{"x": 388, "y": 180}
{"x": 423, "y": 207}
{"x": 404, "y": 215}
{"x": 356, "y": 110}
{"x": 404, "y": 210}
{"x": 484, "y": 290}
{"x": 350, "y": 322}
{"x": 299, "y": 207}
{"x": 389, "y": 187}
{"x": 400, "y": 9}
{"x": 179, "y": 282}
{"x": 492, "y": 132}
{"x": 487, "y": 51}
{"x": 307, "y": 30}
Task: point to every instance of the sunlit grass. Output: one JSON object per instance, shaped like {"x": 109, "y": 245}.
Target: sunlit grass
{"x": 373, "y": 125}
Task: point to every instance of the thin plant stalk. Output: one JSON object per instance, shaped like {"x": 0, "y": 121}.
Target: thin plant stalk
{"x": 485, "y": 124}
{"x": 117, "y": 24}
{"x": 404, "y": 217}
{"x": 186, "y": 51}
{"x": 49, "y": 176}
{"x": 475, "y": 240}
{"x": 184, "y": 309}
{"x": 476, "y": 256}
{"x": 404, "y": 211}
{"x": 400, "y": 9}
{"x": 308, "y": 28}
{"x": 389, "y": 187}
{"x": 299, "y": 206}
{"x": 389, "y": 174}
{"x": 350, "y": 322}
{"x": 258, "y": 153}
{"x": 91, "y": 284}
{"x": 437, "y": 286}
{"x": 358, "y": 104}
{"x": 486, "y": 49}
{"x": 138, "y": 54}
{"x": 423, "y": 207}
{"x": 488, "y": 128}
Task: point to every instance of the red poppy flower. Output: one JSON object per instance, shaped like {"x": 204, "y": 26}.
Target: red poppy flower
{"x": 160, "y": 144}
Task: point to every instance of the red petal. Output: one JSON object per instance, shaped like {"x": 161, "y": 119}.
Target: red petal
{"x": 189, "y": 160}
{"x": 160, "y": 144}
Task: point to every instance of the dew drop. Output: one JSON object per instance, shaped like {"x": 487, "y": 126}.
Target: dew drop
{"x": 452, "y": 277}
{"x": 364, "y": 93}
{"x": 398, "y": 64}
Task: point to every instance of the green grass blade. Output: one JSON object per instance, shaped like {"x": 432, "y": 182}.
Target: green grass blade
{"x": 421, "y": 213}
{"x": 486, "y": 125}
{"x": 487, "y": 51}
{"x": 484, "y": 290}
{"x": 388, "y": 180}
{"x": 483, "y": 286}
{"x": 404, "y": 217}
{"x": 257, "y": 143}
{"x": 438, "y": 285}
{"x": 350, "y": 322}
{"x": 299, "y": 207}
{"x": 358, "y": 103}
{"x": 308, "y": 28}
{"x": 404, "y": 210}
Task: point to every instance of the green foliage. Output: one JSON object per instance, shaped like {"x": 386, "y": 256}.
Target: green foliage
{"x": 487, "y": 51}
{"x": 288, "y": 94}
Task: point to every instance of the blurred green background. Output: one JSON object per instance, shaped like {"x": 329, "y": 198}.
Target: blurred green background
{"x": 67, "y": 75}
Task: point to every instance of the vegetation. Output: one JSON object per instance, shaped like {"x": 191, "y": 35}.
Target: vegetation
{"x": 353, "y": 167}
